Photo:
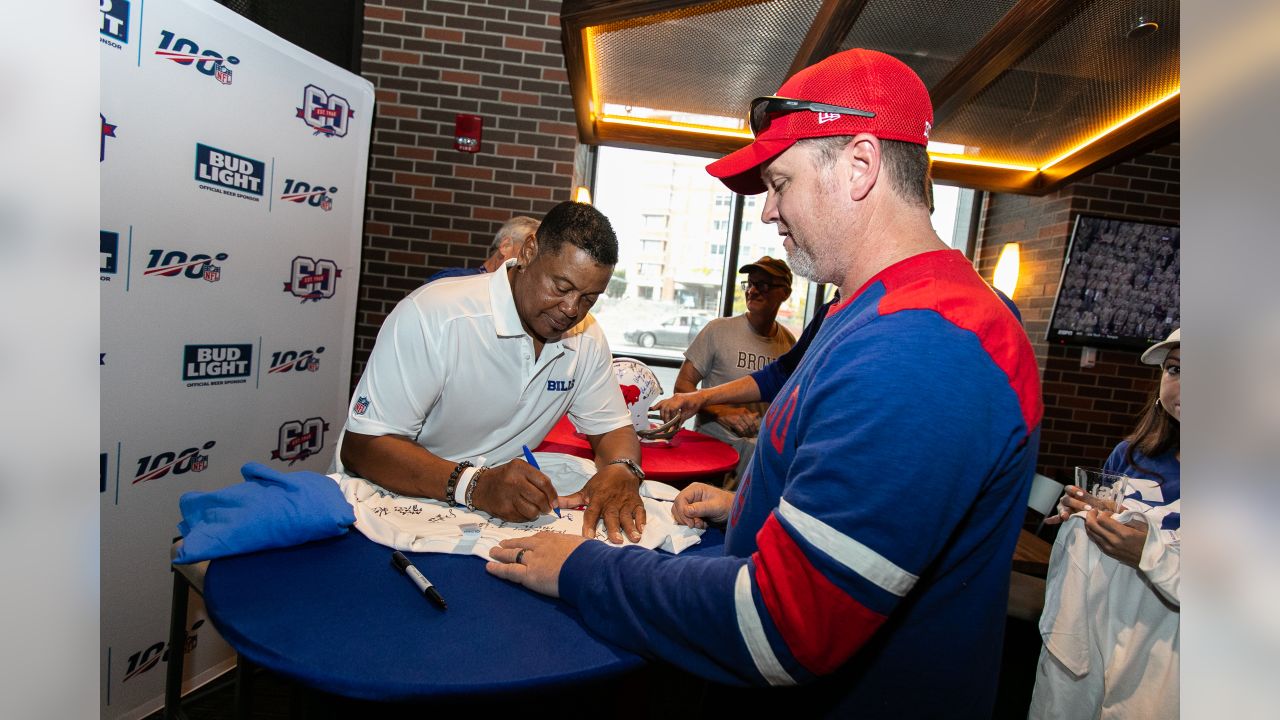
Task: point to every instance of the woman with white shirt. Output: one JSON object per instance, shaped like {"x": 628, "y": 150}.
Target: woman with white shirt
{"x": 1111, "y": 619}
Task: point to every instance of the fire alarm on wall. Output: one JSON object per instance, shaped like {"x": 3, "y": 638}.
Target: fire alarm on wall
{"x": 466, "y": 132}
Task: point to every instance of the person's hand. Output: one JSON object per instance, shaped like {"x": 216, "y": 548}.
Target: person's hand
{"x": 516, "y": 491}
{"x": 614, "y": 495}
{"x": 1122, "y": 541}
{"x": 700, "y": 503}
{"x": 682, "y": 405}
{"x": 533, "y": 561}
{"x": 743, "y": 421}
{"x": 1073, "y": 500}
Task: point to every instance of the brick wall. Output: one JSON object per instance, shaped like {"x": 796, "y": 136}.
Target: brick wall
{"x": 430, "y": 206}
{"x": 1087, "y": 410}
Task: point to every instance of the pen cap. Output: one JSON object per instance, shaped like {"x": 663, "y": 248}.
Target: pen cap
{"x": 399, "y": 560}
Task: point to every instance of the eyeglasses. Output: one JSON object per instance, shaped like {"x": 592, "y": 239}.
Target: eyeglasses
{"x": 760, "y": 286}
{"x": 764, "y": 108}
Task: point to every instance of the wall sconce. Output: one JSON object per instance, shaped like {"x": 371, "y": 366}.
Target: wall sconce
{"x": 1006, "y": 275}
{"x": 582, "y": 195}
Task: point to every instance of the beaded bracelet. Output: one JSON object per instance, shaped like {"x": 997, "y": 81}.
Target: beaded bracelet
{"x": 471, "y": 488}
{"x": 453, "y": 480}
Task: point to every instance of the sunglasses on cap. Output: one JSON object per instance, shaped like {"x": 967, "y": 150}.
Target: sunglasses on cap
{"x": 764, "y": 108}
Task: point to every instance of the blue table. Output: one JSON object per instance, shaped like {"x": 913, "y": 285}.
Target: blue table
{"x": 336, "y": 616}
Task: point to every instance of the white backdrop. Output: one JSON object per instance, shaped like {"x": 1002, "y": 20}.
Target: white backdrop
{"x": 233, "y": 176}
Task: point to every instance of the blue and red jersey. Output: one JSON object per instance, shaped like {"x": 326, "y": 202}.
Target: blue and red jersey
{"x": 870, "y": 542}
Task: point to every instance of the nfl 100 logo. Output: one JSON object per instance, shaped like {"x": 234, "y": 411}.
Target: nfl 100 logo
{"x": 180, "y": 264}
{"x": 308, "y": 193}
{"x": 185, "y": 51}
{"x": 295, "y": 361}
{"x": 327, "y": 115}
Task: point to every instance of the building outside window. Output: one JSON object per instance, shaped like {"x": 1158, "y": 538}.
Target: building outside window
{"x": 674, "y": 227}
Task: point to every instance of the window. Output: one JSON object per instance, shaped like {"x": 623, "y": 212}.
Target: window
{"x": 655, "y": 222}
{"x": 675, "y": 228}
{"x": 668, "y": 213}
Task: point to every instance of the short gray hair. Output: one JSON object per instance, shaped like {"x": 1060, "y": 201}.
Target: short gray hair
{"x": 517, "y": 228}
{"x": 908, "y": 165}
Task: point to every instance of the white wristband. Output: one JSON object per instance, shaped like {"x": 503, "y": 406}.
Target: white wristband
{"x": 460, "y": 492}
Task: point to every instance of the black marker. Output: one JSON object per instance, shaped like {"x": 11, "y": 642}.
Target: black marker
{"x": 403, "y": 565}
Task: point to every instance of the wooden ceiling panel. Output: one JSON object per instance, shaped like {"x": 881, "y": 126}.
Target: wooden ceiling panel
{"x": 1027, "y": 93}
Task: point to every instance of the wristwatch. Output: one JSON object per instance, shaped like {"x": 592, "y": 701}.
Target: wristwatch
{"x": 632, "y": 465}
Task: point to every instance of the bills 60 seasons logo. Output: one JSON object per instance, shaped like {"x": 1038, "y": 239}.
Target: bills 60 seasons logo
{"x": 312, "y": 279}
{"x": 299, "y": 439}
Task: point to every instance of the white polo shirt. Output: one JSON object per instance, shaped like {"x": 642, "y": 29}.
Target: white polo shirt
{"x": 454, "y": 369}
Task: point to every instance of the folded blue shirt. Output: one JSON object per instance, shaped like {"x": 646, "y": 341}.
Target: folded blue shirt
{"x": 270, "y": 509}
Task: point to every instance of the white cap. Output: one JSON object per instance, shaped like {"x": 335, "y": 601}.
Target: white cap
{"x": 1156, "y": 354}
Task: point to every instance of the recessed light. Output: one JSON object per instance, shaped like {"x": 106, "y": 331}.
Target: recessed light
{"x": 1142, "y": 28}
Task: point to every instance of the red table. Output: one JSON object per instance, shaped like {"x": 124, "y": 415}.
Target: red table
{"x": 689, "y": 456}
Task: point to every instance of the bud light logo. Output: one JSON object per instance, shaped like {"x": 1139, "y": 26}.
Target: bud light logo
{"x": 108, "y": 131}
{"x": 229, "y": 173}
{"x": 362, "y": 405}
{"x": 295, "y": 361}
{"x": 114, "y": 30}
{"x": 312, "y": 279}
{"x": 185, "y": 51}
{"x": 327, "y": 115}
{"x": 313, "y": 194}
{"x": 177, "y": 264}
{"x": 216, "y": 364}
{"x": 156, "y": 466}
{"x": 300, "y": 439}
{"x": 108, "y": 254}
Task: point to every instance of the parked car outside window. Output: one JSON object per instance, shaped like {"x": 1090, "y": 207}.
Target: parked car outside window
{"x": 677, "y": 331}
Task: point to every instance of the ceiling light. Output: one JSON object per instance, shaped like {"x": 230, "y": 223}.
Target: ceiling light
{"x": 1143, "y": 28}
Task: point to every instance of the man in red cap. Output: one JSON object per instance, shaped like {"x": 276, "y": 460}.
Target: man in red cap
{"x": 868, "y": 548}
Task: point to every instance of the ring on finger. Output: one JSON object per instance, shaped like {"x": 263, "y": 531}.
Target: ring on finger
{"x": 520, "y": 556}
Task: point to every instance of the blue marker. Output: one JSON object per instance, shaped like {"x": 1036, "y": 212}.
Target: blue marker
{"x": 529, "y": 458}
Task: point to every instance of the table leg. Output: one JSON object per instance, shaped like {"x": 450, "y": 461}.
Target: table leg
{"x": 177, "y": 646}
{"x": 244, "y": 687}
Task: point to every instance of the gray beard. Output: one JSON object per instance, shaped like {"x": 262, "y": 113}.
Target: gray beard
{"x": 804, "y": 263}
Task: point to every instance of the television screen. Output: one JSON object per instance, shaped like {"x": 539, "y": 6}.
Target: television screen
{"x": 1119, "y": 284}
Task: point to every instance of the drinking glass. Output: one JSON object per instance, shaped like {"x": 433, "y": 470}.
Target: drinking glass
{"x": 1108, "y": 488}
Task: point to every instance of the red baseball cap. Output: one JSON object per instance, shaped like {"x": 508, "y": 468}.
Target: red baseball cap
{"x": 851, "y": 92}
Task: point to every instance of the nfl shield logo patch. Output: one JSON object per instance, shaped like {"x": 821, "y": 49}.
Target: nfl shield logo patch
{"x": 222, "y": 73}
{"x": 362, "y": 405}
{"x": 313, "y": 364}
{"x": 326, "y": 203}
{"x": 200, "y": 463}
{"x": 212, "y": 273}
